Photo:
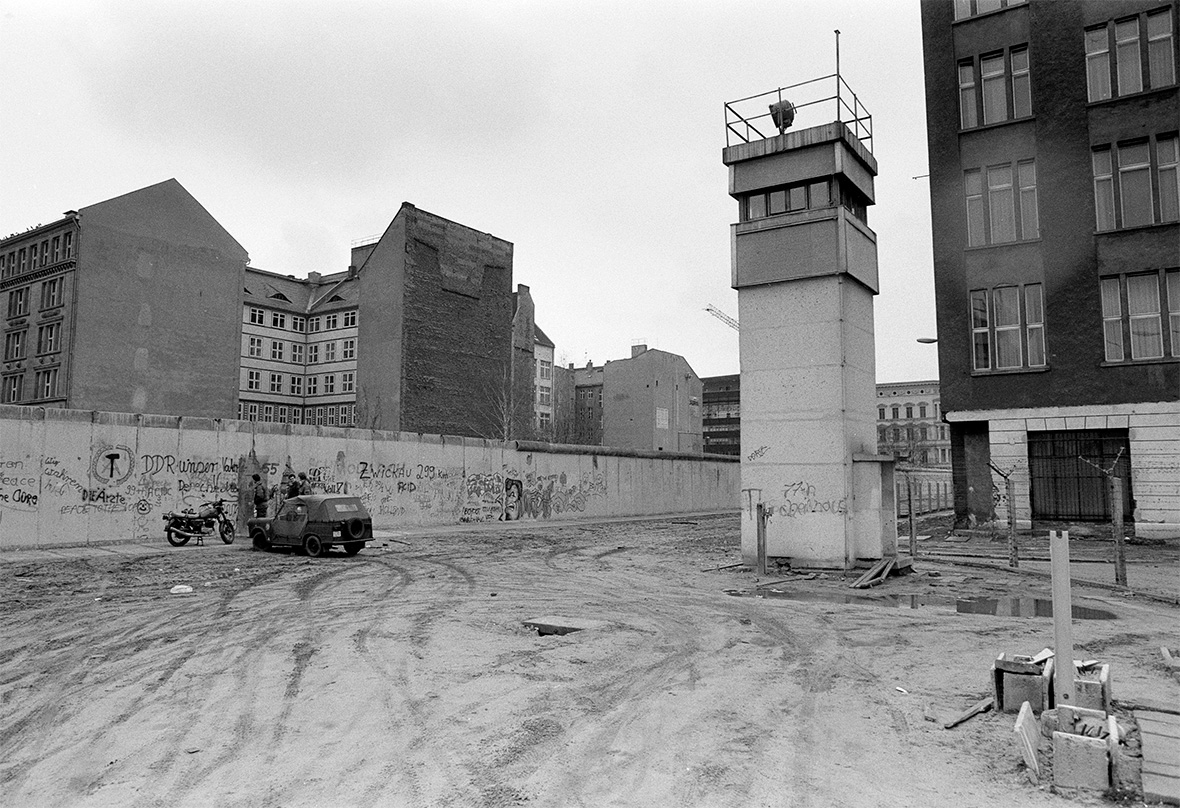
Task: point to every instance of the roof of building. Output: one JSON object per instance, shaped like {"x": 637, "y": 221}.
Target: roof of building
{"x": 541, "y": 338}
{"x": 300, "y": 295}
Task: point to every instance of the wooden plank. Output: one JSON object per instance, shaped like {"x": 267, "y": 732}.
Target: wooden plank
{"x": 880, "y": 579}
{"x": 1159, "y": 729}
{"x": 873, "y": 572}
{"x": 1162, "y": 769}
{"x": 981, "y": 706}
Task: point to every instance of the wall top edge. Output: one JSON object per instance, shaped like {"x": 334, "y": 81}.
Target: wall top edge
{"x": 1081, "y": 410}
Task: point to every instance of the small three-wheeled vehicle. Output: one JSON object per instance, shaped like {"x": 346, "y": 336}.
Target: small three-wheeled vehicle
{"x": 314, "y": 523}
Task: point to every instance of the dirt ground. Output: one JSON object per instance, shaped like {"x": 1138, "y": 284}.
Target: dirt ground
{"x": 404, "y": 676}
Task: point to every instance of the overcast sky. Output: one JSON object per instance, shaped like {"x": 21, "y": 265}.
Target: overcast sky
{"x": 589, "y": 134}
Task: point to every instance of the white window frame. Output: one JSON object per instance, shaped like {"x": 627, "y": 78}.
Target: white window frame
{"x": 254, "y": 347}
{"x": 253, "y": 380}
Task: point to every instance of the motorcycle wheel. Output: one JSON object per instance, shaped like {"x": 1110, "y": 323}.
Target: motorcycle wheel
{"x": 312, "y": 545}
{"x": 174, "y": 538}
{"x": 227, "y": 533}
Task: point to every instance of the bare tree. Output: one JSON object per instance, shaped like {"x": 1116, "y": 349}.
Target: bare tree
{"x": 498, "y": 414}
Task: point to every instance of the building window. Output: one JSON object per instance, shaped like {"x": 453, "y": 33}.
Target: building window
{"x": 330, "y": 351}
{"x": 921, "y": 410}
{"x": 808, "y": 196}
{"x": 546, "y": 369}
{"x": 296, "y": 385}
{"x": 257, "y": 316}
{"x": 49, "y": 338}
{"x": 313, "y": 383}
{"x": 12, "y": 388}
{"x": 319, "y": 416}
{"x": 18, "y": 302}
{"x": 278, "y": 350}
{"x": 313, "y": 325}
{"x": 33, "y": 256}
{"x": 313, "y": 354}
{"x": 880, "y": 413}
{"x": 252, "y": 412}
{"x": 14, "y": 346}
{"x": 253, "y": 380}
{"x": 1001, "y": 220}
{"x": 299, "y": 324}
{"x": 1126, "y": 39}
{"x": 1007, "y": 328}
{"x": 45, "y": 383}
{"x": 349, "y": 319}
{"x": 278, "y": 319}
{"x": 909, "y": 410}
{"x": 1002, "y": 92}
{"x": 896, "y": 412}
{"x": 969, "y": 116}
{"x": 268, "y": 412}
{"x": 1132, "y": 315}
{"x": 276, "y": 383}
{"x": 330, "y": 321}
{"x": 281, "y": 414}
{"x": 347, "y": 382}
{"x": 255, "y": 349}
{"x": 52, "y": 293}
{"x": 67, "y": 245}
{"x": 297, "y": 353}
{"x": 349, "y": 349}
{"x": 544, "y": 395}
{"x": 296, "y": 415}
{"x": 56, "y": 249}
{"x": 329, "y": 384}
{"x": 1123, "y": 187}
{"x": 972, "y": 8}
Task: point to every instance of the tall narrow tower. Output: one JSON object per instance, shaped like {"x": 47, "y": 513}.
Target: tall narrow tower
{"x": 804, "y": 262}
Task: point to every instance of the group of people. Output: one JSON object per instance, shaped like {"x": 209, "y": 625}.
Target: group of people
{"x": 292, "y": 486}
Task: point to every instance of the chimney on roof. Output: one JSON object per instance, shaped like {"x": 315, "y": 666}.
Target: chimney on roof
{"x": 313, "y": 277}
{"x": 351, "y": 271}
{"x": 636, "y": 350}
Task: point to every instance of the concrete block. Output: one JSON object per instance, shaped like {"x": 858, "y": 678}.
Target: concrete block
{"x": 1080, "y": 762}
{"x": 1013, "y": 687}
{"x": 1093, "y": 692}
{"x": 1025, "y": 733}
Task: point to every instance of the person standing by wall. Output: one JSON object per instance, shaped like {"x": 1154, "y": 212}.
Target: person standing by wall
{"x": 261, "y": 496}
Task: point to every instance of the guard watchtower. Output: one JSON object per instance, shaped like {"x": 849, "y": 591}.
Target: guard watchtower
{"x": 804, "y": 262}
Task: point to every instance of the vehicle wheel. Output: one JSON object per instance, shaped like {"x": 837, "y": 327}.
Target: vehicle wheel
{"x": 354, "y": 547}
{"x": 260, "y": 542}
{"x": 312, "y": 545}
{"x": 174, "y": 538}
{"x": 354, "y": 528}
{"x": 227, "y": 533}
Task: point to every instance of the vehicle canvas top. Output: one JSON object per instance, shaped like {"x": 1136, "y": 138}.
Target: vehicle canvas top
{"x": 330, "y": 507}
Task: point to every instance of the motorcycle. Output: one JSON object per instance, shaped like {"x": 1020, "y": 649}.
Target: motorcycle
{"x": 210, "y": 520}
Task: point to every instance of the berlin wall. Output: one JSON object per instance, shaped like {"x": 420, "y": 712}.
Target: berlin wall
{"x": 75, "y": 477}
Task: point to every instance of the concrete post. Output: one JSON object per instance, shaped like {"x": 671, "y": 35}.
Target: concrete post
{"x": 762, "y": 518}
{"x": 1010, "y": 491}
{"x": 909, "y": 500}
{"x": 1116, "y": 520}
{"x": 1063, "y": 670}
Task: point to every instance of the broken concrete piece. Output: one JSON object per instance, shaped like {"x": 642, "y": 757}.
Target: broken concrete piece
{"x": 1093, "y": 692}
{"x": 1080, "y": 762}
{"x": 560, "y": 625}
{"x": 1015, "y": 680}
{"x": 1026, "y": 733}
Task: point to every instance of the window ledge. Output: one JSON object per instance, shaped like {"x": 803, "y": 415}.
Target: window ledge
{"x": 1114, "y": 99}
{"x": 991, "y": 13}
{"x": 1004, "y": 244}
{"x": 983, "y": 127}
{"x": 1134, "y": 228}
{"x": 1008, "y": 372}
{"x": 1132, "y": 363}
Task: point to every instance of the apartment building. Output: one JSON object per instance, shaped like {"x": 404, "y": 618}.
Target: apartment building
{"x": 1055, "y": 197}
{"x": 909, "y": 423}
{"x": 127, "y": 305}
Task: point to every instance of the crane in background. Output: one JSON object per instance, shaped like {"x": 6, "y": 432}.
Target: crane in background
{"x": 723, "y": 317}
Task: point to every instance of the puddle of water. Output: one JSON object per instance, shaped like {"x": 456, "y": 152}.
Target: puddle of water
{"x": 1002, "y": 607}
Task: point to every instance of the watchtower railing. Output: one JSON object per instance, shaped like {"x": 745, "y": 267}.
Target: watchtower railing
{"x": 748, "y": 119}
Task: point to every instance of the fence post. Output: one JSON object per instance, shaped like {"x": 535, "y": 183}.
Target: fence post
{"x": 1010, "y": 491}
{"x": 1116, "y": 520}
{"x": 761, "y": 539}
{"x": 909, "y": 498}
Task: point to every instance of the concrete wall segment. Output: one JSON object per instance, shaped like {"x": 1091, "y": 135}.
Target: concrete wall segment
{"x": 100, "y": 477}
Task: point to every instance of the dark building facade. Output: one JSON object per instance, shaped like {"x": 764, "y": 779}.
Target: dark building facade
{"x": 721, "y": 414}
{"x": 1054, "y": 153}
{"x": 128, "y": 305}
